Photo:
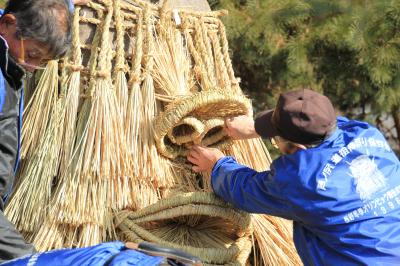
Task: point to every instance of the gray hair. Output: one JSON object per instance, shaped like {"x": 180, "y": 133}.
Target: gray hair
{"x": 45, "y": 21}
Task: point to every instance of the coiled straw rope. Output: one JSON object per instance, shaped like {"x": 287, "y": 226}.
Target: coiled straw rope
{"x": 204, "y": 106}
{"x": 231, "y": 249}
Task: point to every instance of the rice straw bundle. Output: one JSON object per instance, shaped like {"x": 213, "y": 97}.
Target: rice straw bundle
{"x": 37, "y": 111}
{"x": 274, "y": 240}
{"x": 101, "y": 155}
{"x": 143, "y": 191}
{"x": 172, "y": 63}
{"x": 38, "y": 173}
{"x": 155, "y": 167}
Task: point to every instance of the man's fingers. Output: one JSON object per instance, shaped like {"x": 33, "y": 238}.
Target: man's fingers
{"x": 191, "y": 159}
{"x": 194, "y": 153}
{"x": 199, "y": 150}
{"x": 196, "y": 169}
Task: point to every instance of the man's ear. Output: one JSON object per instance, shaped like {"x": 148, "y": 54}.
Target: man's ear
{"x": 300, "y": 146}
{"x": 7, "y": 20}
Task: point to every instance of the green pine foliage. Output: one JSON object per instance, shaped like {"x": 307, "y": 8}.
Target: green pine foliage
{"x": 348, "y": 49}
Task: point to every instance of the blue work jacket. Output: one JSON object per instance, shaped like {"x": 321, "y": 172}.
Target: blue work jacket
{"x": 343, "y": 196}
{"x": 110, "y": 254}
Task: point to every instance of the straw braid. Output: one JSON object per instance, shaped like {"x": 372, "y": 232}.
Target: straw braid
{"x": 197, "y": 129}
{"x": 227, "y": 59}
{"x": 202, "y": 49}
{"x": 221, "y": 70}
{"x": 119, "y": 17}
{"x": 200, "y": 66}
{"x": 76, "y": 56}
{"x": 120, "y": 68}
{"x": 208, "y": 53}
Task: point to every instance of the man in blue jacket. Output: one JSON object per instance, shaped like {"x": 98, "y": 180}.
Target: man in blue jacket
{"x": 338, "y": 180}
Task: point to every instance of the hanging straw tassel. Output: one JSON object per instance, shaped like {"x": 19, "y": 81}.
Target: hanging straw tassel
{"x": 37, "y": 111}
{"x": 155, "y": 167}
{"x": 28, "y": 205}
{"x": 142, "y": 190}
{"x": 172, "y": 73}
{"x": 134, "y": 113}
{"x": 120, "y": 82}
{"x": 72, "y": 97}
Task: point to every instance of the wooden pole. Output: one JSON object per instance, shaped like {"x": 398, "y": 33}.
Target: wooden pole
{"x": 195, "y": 5}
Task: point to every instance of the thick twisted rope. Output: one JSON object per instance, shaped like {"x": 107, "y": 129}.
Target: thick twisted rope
{"x": 192, "y": 204}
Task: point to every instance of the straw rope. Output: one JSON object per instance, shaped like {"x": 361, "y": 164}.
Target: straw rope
{"x": 193, "y": 205}
{"x": 202, "y": 105}
{"x": 192, "y": 129}
{"x": 120, "y": 82}
{"x": 227, "y": 59}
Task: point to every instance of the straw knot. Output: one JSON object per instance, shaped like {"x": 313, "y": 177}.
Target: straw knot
{"x": 121, "y": 67}
{"x": 103, "y": 74}
{"x": 75, "y": 68}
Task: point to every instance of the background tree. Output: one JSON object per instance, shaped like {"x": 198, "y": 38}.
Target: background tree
{"x": 347, "y": 49}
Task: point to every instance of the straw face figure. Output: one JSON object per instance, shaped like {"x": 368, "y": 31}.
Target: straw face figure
{"x": 143, "y": 84}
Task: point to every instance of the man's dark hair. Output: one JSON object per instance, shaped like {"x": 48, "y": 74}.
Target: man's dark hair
{"x": 45, "y": 21}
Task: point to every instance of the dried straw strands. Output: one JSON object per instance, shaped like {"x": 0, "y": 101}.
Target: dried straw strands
{"x": 40, "y": 167}
{"x": 135, "y": 75}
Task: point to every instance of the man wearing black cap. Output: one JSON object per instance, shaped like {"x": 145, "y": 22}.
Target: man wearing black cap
{"x": 338, "y": 180}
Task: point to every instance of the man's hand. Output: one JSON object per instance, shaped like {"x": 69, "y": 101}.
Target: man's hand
{"x": 240, "y": 127}
{"x": 203, "y": 158}
{"x": 81, "y": 2}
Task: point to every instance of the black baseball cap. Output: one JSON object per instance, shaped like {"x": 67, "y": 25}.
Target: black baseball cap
{"x": 303, "y": 116}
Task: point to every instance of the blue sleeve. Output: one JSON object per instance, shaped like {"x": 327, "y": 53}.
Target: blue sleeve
{"x": 71, "y": 6}
{"x": 2, "y": 91}
{"x": 249, "y": 190}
